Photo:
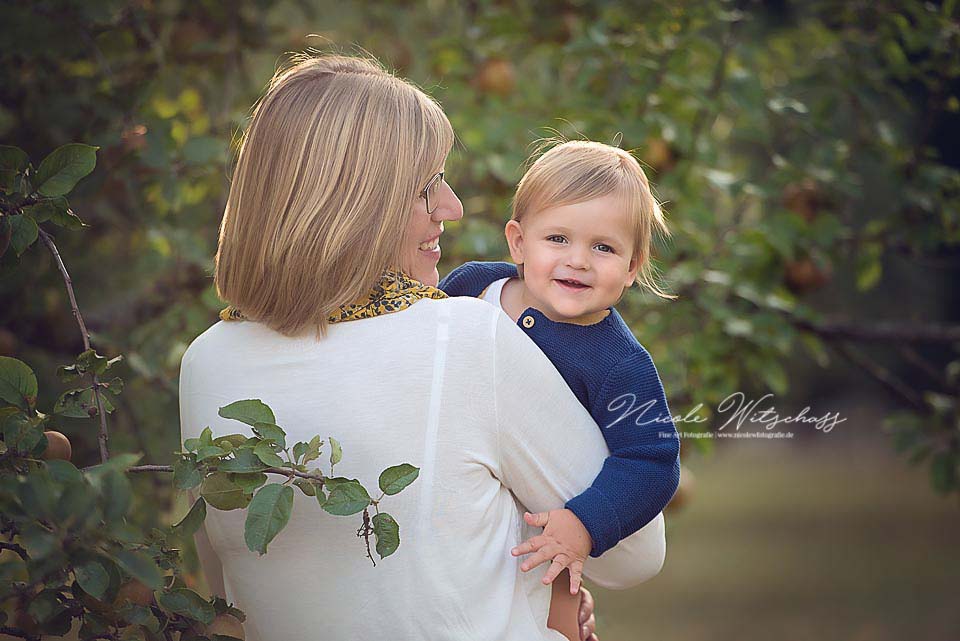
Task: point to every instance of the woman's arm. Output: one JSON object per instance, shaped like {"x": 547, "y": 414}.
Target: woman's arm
{"x": 551, "y": 450}
{"x": 209, "y": 561}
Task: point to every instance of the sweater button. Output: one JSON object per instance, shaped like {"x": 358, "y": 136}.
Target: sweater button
{"x": 528, "y": 321}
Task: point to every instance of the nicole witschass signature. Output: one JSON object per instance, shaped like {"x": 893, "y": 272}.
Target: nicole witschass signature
{"x": 736, "y": 405}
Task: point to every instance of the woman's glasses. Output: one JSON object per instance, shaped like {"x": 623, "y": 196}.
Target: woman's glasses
{"x": 431, "y": 190}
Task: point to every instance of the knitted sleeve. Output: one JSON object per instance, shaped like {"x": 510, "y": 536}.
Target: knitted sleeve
{"x": 470, "y": 279}
{"x": 643, "y": 470}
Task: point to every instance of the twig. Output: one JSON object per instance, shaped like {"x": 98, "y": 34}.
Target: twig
{"x": 882, "y": 331}
{"x": 882, "y": 375}
{"x": 919, "y": 361}
{"x": 13, "y": 547}
{"x": 16, "y": 632}
{"x": 268, "y": 470}
{"x": 364, "y": 532}
{"x": 719, "y": 76}
{"x": 102, "y": 437}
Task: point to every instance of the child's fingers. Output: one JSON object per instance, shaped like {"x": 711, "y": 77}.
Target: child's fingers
{"x": 532, "y": 544}
{"x": 560, "y": 562}
{"x": 576, "y": 576}
{"x": 539, "y": 519}
{"x": 544, "y": 554}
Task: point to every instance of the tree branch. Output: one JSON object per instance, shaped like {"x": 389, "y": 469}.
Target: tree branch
{"x": 883, "y": 376}
{"x": 102, "y": 437}
{"x": 881, "y": 331}
{"x": 269, "y": 470}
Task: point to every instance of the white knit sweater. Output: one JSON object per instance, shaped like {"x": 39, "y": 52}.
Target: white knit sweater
{"x": 452, "y": 387}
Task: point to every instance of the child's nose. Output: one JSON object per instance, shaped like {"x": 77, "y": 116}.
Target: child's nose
{"x": 578, "y": 257}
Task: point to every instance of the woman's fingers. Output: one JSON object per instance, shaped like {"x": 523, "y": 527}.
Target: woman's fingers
{"x": 586, "y": 618}
{"x": 588, "y": 629}
{"x": 537, "y": 520}
{"x": 586, "y": 605}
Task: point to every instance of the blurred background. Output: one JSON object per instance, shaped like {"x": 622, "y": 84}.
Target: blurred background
{"x": 807, "y": 154}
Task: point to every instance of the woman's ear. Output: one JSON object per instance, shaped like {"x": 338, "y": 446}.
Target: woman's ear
{"x": 514, "y": 234}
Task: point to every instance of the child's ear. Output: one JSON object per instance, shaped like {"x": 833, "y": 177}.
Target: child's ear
{"x": 514, "y": 234}
{"x": 632, "y": 271}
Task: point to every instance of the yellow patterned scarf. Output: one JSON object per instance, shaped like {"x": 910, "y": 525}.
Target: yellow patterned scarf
{"x": 395, "y": 291}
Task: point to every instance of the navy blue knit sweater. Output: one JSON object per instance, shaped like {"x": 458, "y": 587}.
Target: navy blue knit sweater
{"x": 615, "y": 379}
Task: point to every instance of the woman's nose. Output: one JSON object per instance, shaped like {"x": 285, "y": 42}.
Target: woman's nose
{"x": 449, "y": 207}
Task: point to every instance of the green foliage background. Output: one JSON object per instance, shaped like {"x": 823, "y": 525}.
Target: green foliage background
{"x": 805, "y": 151}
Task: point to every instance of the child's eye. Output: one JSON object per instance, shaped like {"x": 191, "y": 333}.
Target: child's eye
{"x": 556, "y": 238}
{"x": 607, "y": 249}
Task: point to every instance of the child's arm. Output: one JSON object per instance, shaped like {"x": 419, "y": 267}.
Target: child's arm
{"x": 635, "y": 484}
{"x": 642, "y": 472}
{"x": 470, "y": 279}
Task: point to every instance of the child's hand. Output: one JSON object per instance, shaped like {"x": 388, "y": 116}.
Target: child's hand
{"x": 564, "y": 540}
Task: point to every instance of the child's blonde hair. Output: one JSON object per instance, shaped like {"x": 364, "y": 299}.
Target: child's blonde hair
{"x": 579, "y": 170}
{"x": 327, "y": 174}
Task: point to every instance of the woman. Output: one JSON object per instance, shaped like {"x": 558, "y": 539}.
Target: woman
{"x": 328, "y": 250}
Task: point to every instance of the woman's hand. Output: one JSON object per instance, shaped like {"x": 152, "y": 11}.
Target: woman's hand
{"x": 565, "y": 541}
{"x": 588, "y": 622}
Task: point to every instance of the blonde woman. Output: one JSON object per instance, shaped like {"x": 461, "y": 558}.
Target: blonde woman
{"x": 327, "y": 257}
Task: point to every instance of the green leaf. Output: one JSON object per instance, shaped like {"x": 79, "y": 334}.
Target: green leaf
{"x": 271, "y": 432}
{"x": 20, "y": 434}
{"x": 41, "y": 211}
{"x": 186, "y": 474}
{"x": 92, "y": 577}
{"x": 38, "y": 541}
{"x": 388, "y": 534}
{"x": 18, "y": 383}
{"x": 13, "y": 161}
{"x": 117, "y": 495}
{"x": 306, "y": 487}
{"x": 264, "y": 452}
{"x": 347, "y": 498}
{"x": 189, "y": 524}
{"x": 268, "y": 513}
{"x": 24, "y": 232}
{"x": 393, "y": 479}
{"x": 249, "y": 481}
{"x": 244, "y": 460}
{"x": 298, "y": 451}
{"x": 222, "y": 493}
{"x": 139, "y": 566}
{"x": 64, "y": 167}
{"x": 188, "y": 603}
{"x": 202, "y": 150}
{"x": 209, "y": 451}
{"x": 250, "y": 411}
{"x": 64, "y": 472}
{"x": 336, "y": 452}
{"x": 943, "y": 472}
{"x": 81, "y": 403}
{"x": 313, "y": 450}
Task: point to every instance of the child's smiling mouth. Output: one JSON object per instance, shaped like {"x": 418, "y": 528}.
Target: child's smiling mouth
{"x": 571, "y": 284}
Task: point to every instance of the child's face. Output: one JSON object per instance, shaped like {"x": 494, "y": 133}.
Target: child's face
{"x": 577, "y": 259}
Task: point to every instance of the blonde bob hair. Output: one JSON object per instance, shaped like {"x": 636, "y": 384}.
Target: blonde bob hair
{"x": 326, "y": 177}
{"x": 580, "y": 170}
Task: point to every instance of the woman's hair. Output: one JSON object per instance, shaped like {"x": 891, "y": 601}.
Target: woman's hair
{"x": 326, "y": 176}
{"x": 580, "y": 170}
